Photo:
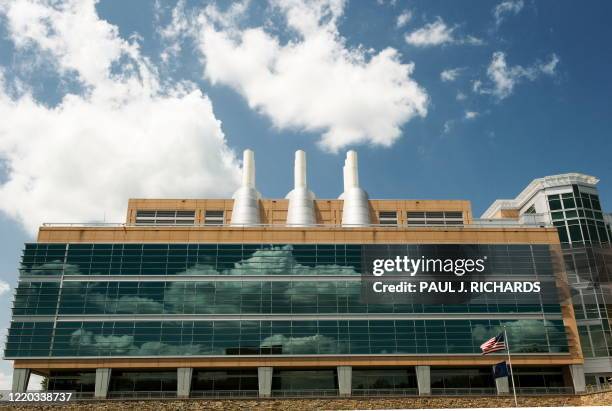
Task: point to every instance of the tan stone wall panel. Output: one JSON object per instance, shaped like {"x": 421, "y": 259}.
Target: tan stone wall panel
{"x": 292, "y": 361}
{"x": 274, "y": 211}
{"x": 365, "y": 235}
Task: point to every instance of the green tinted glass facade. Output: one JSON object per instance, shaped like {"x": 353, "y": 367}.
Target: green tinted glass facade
{"x": 229, "y": 297}
{"x": 188, "y": 260}
{"x": 588, "y": 269}
{"x": 179, "y": 338}
{"x": 134, "y": 300}
{"x": 586, "y": 243}
{"x": 578, "y": 217}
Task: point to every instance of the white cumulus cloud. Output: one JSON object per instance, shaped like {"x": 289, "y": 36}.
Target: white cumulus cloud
{"x": 314, "y": 82}
{"x": 318, "y": 343}
{"x": 129, "y": 134}
{"x": 450, "y": 74}
{"x": 470, "y": 115}
{"x": 438, "y": 33}
{"x": 4, "y": 287}
{"x": 403, "y": 19}
{"x": 506, "y": 8}
{"x": 448, "y": 126}
{"x": 550, "y": 67}
{"x": 5, "y": 380}
{"x": 504, "y": 78}
{"x": 432, "y": 34}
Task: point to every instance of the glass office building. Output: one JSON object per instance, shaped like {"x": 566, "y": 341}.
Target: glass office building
{"x": 570, "y": 202}
{"x": 182, "y": 301}
{"x": 291, "y": 300}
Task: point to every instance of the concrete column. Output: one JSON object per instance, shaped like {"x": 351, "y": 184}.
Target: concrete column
{"x": 264, "y": 379}
{"x": 21, "y": 378}
{"x": 577, "y": 372}
{"x": 102, "y": 380}
{"x": 183, "y": 382}
{"x": 423, "y": 379}
{"x": 503, "y": 385}
{"x": 345, "y": 378}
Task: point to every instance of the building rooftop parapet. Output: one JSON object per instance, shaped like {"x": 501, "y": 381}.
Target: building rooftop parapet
{"x": 484, "y": 223}
{"x": 536, "y": 185}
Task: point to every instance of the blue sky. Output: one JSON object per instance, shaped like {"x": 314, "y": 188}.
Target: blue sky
{"x": 104, "y": 101}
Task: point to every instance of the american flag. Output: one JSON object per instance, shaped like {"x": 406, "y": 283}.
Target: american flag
{"x": 494, "y": 344}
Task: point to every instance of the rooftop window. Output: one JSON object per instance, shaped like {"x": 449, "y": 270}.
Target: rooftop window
{"x": 435, "y": 217}
{"x": 165, "y": 217}
{"x": 214, "y": 217}
{"x": 387, "y": 217}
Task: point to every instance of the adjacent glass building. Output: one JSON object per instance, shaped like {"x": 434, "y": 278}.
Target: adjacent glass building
{"x": 570, "y": 202}
{"x": 180, "y": 300}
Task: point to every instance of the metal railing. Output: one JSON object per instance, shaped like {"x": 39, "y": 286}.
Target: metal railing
{"x": 333, "y": 393}
{"x": 483, "y": 223}
{"x": 534, "y": 219}
{"x": 83, "y": 395}
{"x": 544, "y": 390}
{"x": 141, "y": 395}
{"x": 399, "y": 392}
{"x": 224, "y": 394}
{"x": 304, "y": 393}
{"x": 598, "y": 388}
{"x": 463, "y": 391}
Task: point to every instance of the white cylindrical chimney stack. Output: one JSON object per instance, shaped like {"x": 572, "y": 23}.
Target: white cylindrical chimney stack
{"x": 248, "y": 168}
{"x": 351, "y": 169}
{"x": 301, "y": 201}
{"x": 345, "y": 181}
{"x": 299, "y": 169}
{"x": 246, "y": 199}
{"x": 356, "y": 208}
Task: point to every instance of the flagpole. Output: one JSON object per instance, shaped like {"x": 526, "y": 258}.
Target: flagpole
{"x": 510, "y": 364}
